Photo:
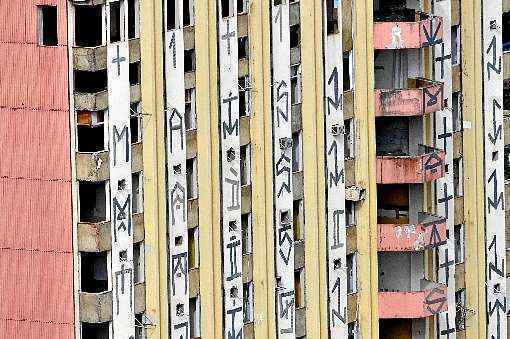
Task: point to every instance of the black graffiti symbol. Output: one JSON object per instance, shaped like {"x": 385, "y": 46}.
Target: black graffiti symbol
{"x": 173, "y": 47}
{"x": 232, "y": 334}
{"x": 335, "y": 313}
{"x": 176, "y": 124}
{"x": 446, "y": 265}
{"x": 497, "y": 130}
{"x": 435, "y": 238}
{"x": 497, "y": 198}
{"x": 432, "y": 39}
{"x": 497, "y": 307}
{"x": 117, "y": 137}
{"x": 121, "y": 216}
{"x": 232, "y": 248}
{"x": 180, "y": 270}
{"x": 492, "y": 65}
{"x": 431, "y": 99}
{"x": 283, "y": 167}
{"x": 229, "y": 34}
{"x": 449, "y": 330}
{"x": 493, "y": 266}
{"x": 433, "y": 163}
{"x": 184, "y": 326}
{"x": 235, "y": 202}
{"x": 436, "y": 298}
{"x": 337, "y": 175}
{"x": 286, "y": 306}
{"x": 122, "y": 275}
{"x": 230, "y": 126}
{"x": 282, "y": 93}
{"x": 285, "y": 237}
{"x": 177, "y": 201}
{"x": 442, "y": 59}
{"x": 337, "y": 101}
{"x": 445, "y": 135}
{"x": 118, "y": 60}
{"x": 279, "y": 16}
{"x": 336, "y": 229}
{"x": 445, "y": 199}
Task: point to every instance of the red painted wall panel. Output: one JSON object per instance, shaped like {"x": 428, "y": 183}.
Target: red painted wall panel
{"x": 36, "y": 258}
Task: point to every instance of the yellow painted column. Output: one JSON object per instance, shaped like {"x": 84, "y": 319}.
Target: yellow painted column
{"x": 260, "y": 75}
{"x": 473, "y": 170}
{"x": 311, "y": 111}
{"x": 153, "y": 167}
{"x": 208, "y": 170}
{"x": 365, "y": 168}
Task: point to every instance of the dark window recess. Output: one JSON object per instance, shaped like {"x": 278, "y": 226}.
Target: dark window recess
{"x": 48, "y": 25}
{"x": 295, "y": 36}
{"x": 94, "y": 272}
{"x": 332, "y": 14}
{"x": 95, "y": 331}
{"x": 347, "y": 74}
{"x": 186, "y": 17}
{"x": 506, "y": 98}
{"x": 88, "y": 26}
{"x": 170, "y": 14}
{"x": 115, "y": 28}
{"x": 225, "y": 8}
{"x": 243, "y": 48}
{"x": 139, "y": 329}
{"x": 189, "y": 60}
{"x": 507, "y": 162}
{"x": 132, "y": 19}
{"x": 278, "y": 2}
{"x": 506, "y": 31}
{"x": 90, "y": 138}
{"x": 240, "y": 6}
{"x": 92, "y": 201}
{"x": 135, "y": 125}
{"x": 134, "y": 73}
{"x": 90, "y": 82}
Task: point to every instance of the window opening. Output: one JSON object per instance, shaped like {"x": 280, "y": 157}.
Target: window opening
{"x": 94, "y": 272}
{"x": 189, "y": 60}
{"x": 332, "y": 16}
{"x": 295, "y": 36}
{"x": 133, "y": 19}
{"x": 115, "y": 21}
{"x": 48, "y": 18}
{"x": 247, "y": 233}
{"x": 92, "y": 201}
{"x": 88, "y": 25}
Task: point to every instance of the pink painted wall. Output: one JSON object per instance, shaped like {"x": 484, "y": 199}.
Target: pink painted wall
{"x": 36, "y": 260}
{"x": 407, "y": 237}
{"x": 410, "y": 169}
{"x": 401, "y": 35}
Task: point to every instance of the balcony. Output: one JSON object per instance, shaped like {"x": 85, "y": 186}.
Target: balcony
{"x": 430, "y": 232}
{"x": 429, "y": 300}
{"x": 426, "y": 166}
{"x": 420, "y": 97}
{"x": 406, "y": 28}
{"x": 94, "y": 58}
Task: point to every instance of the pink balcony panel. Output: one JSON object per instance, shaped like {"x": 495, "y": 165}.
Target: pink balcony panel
{"x": 410, "y": 169}
{"x": 421, "y": 97}
{"x": 411, "y": 34}
{"x": 414, "y": 304}
{"x": 410, "y": 237}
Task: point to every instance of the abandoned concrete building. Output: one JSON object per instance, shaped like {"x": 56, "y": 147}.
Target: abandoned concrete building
{"x": 254, "y": 169}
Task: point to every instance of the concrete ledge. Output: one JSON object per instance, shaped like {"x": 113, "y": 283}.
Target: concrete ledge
{"x": 247, "y": 268}
{"x": 139, "y": 297}
{"x": 244, "y": 123}
{"x": 458, "y": 214}
{"x": 189, "y": 80}
{"x": 94, "y": 58}
{"x": 297, "y": 185}
{"x": 249, "y": 331}
{"x": 194, "y": 282}
{"x": 350, "y": 178}
{"x": 352, "y": 307}
{"x": 352, "y": 239}
{"x": 300, "y": 322}
{"x": 299, "y": 254}
{"x": 96, "y": 307}
{"x": 456, "y": 78}
{"x": 455, "y": 14}
{"x": 192, "y": 213}
{"x": 245, "y": 199}
{"x": 460, "y": 276}
{"x": 191, "y": 143}
{"x": 296, "y": 117}
{"x": 457, "y": 144}
{"x": 99, "y": 101}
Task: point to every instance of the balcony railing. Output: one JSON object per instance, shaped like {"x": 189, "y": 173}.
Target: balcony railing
{"x": 430, "y": 232}
{"x": 406, "y": 28}
{"x": 429, "y": 300}
{"x": 426, "y": 166}
{"x": 420, "y": 97}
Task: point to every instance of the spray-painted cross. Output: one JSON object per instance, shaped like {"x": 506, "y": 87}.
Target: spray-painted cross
{"x": 442, "y": 59}
{"x": 228, "y": 35}
{"x": 117, "y": 60}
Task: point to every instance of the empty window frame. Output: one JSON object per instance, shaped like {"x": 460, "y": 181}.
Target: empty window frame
{"x": 455, "y": 36}
{"x": 138, "y": 262}
{"x": 351, "y": 274}
{"x": 97, "y": 331}
{"x": 295, "y": 84}
{"x": 295, "y": 36}
{"x": 191, "y": 178}
{"x": 92, "y": 201}
{"x": 94, "y": 272}
{"x": 506, "y": 31}
{"x": 350, "y": 213}
{"x": 91, "y": 138}
{"x": 136, "y": 123}
{"x": 459, "y": 243}
{"x": 245, "y": 165}
{"x": 243, "y": 48}
{"x": 348, "y": 70}
{"x": 194, "y": 317}
{"x": 457, "y": 111}
{"x": 116, "y": 21}
{"x": 137, "y": 192}
{"x": 133, "y": 19}
{"x": 460, "y": 302}
{"x": 189, "y": 60}
{"x": 227, "y": 8}
{"x": 139, "y": 328}
{"x": 297, "y": 151}
{"x": 349, "y": 139}
{"x": 507, "y": 162}
{"x": 248, "y": 302}
{"x": 458, "y": 176}
{"x": 299, "y": 287}
{"x": 298, "y": 220}
{"x": 90, "y": 81}
{"x": 246, "y": 225}
{"x": 332, "y": 7}
{"x": 244, "y": 96}
{"x": 242, "y": 6}
{"x": 190, "y": 117}
{"x": 189, "y": 13}
{"x": 88, "y": 26}
{"x": 193, "y": 249}
{"x": 47, "y": 21}
{"x": 134, "y": 73}
{"x": 352, "y": 332}
{"x": 171, "y": 14}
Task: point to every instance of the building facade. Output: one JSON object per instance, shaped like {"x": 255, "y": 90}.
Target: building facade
{"x": 254, "y": 169}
